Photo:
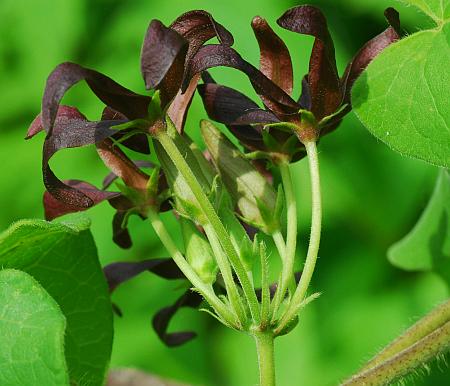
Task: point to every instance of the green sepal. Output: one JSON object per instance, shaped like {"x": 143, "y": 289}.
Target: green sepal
{"x": 324, "y": 121}
{"x": 287, "y": 127}
{"x": 289, "y": 327}
{"x": 199, "y": 253}
{"x": 153, "y": 181}
{"x": 140, "y": 125}
{"x": 154, "y": 107}
{"x": 308, "y": 117}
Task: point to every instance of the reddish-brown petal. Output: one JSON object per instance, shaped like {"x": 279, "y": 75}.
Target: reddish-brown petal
{"x": 162, "y": 319}
{"x": 180, "y": 104}
{"x": 228, "y": 106}
{"x": 116, "y": 160}
{"x": 197, "y": 27}
{"x": 67, "y": 74}
{"x": 370, "y": 50}
{"x": 275, "y": 60}
{"x": 120, "y": 272}
{"x": 162, "y": 60}
{"x": 71, "y": 129}
{"x": 220, "y": 55}
{"x": 54, "y": 208}
{"x": 323, "y": 78}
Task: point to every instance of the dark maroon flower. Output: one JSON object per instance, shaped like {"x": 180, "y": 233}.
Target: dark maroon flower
{"x": 127, "y": 119}
{"x": 325, "y": 96}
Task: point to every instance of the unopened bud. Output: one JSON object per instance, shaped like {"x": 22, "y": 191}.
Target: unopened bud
{"x": 254, "y": 196}
{"x": 199, "y": 253}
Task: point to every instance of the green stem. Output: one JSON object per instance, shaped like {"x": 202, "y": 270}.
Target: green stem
{"x": 314, "y": 239}
{"x": 205, "y": 290}
{"x": 405, "y": 361}
{"x": 222, "y": 234}
{"x": 426, "y": 325}
{"x": 227, "y": 274}
{"x": 264, "y": 347}
{"x": 287, "y": 275}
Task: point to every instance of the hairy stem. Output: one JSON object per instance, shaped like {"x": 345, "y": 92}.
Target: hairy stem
{"x": 405, "y": 361}
{"x": 222, "y": 234}
{"x": 227, "y": 274}
{"x": 264, "y": 346}
{"x": 314, "y": 239}
{"x": 287, "y": 275}
{"x": 205, "y": 290}
{"x": 430, "y": 322}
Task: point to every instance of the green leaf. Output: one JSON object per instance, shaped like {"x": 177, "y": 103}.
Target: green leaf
{"x": 427, "y": 246}
{"x": 438, "y": 10}
{"x": 62, "y": 257}
{"x": 402, "y": 96}
{"x": 32, "y": 333}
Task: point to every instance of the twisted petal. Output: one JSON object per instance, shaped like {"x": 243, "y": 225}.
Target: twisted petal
{"x": 370, "y": 50}
{"x": 249, "y": 135}
{"x": 162, "y": 319}
{"x": 71, "y": 129}
{"x": 116, "y": 160}
{"x": 231, "y": 107}
{"x": 323, "y": 79}
{"x": 54, "y": 208}
{"x": 197, "y": 27}
{"x": 180, "y": 104}
{"x": 162, "y": 60}
{"x": 221, "y": 55}
{"x": 67, "y": 74}
{"x": 275, "y": 60}
{"x": 117, "y": 273}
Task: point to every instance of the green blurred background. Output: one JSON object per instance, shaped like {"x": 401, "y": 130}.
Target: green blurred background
{"x": 372, "y": 196}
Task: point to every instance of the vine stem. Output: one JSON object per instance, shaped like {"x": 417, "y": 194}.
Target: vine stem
{"x": 314, "y": 239}
{"x": 426, "y": 325}
{"x": 287, "y": 275}
{"x": 222, "y": 234}
{"x": 266, "y": 360}
{"x": 405, "y": 361}
{"x": 205, "y": 290}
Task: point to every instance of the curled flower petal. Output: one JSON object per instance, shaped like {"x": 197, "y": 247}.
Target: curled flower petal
{"x": 67, "y": 74}
{"x": 111, "y": 177}
{"x": 275, "y": 60}
{"x": 370, "y": 50}
{"x": 71, "y": 129}
{"x": 323, "y": 77}
{"x": 54, "y": 208}
{"x": 228, "y": 106}
{"x": 116, "y": 160}
{"x": 250, "y": 136}
{"x": 220, "y": 55}
{"x": 121, "y": 236}
{"x": 162, "y": 60}
{"x": 162, "y": 319}
{"x": 197, "y": 27}
{"x": 120, "y": 272}
{"x": 180, "y": 104}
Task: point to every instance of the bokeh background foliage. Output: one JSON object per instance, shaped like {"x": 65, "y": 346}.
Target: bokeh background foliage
{"x": 372, "y": 196}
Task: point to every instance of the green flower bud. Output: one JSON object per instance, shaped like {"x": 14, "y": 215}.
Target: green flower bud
{"x": 185, "y": 202}
{"x": 198, "y": 252}
{"x": 239, "y": 237}
{"x": 254, "y": 196}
